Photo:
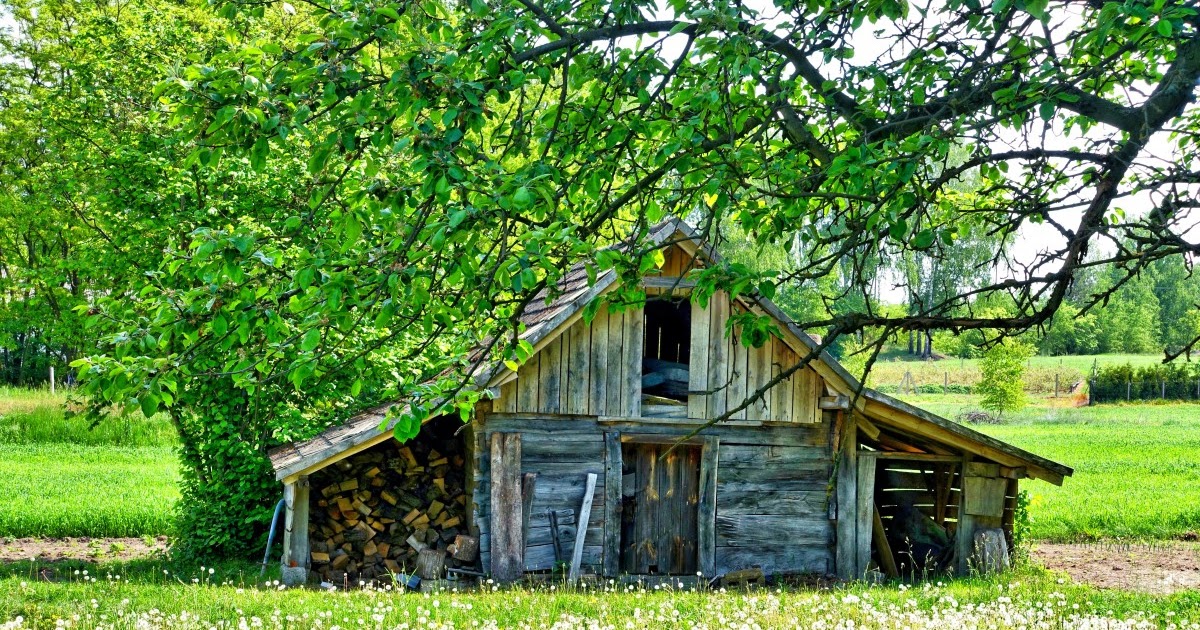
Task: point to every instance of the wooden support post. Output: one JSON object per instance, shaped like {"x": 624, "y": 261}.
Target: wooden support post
{"x": 612, "y": 503}
{"x": 864, "y": 513}
{"x": 847, "y": 498}
{"x": 706, "y": 510}
{"x": 965, "y": 530}
{"x": 585, "y": 514}
{"x": 508, "y": 563}
{"x": 295, "y": 524}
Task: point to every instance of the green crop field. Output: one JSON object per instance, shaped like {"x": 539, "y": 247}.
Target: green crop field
{"x": 59, "y": 477}
{"x": 890, "y": 369}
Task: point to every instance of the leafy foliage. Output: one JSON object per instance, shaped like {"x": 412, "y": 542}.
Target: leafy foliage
{"x": 1001, "y": 371}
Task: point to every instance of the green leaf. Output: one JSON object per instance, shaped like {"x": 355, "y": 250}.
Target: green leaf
{"x": 149, "y": 403}
{"x": 311, "y": 340}
{"x": 522, "y": 198}
{"x": 1164, "y": 28}
{"x": 923, "y": 239}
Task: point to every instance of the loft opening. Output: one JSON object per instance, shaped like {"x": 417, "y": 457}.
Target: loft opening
{"x": 666, "y": 350}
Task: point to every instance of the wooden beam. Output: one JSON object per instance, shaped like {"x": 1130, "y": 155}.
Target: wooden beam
{"x": 612, "y": 503}
{"x": 866, "y": 426}
{"x": 585, "y": 514}
{"x": 668, "y": 282}
{"x": 835, "y": 402}
{"x": 967, "y": 440}
{"x": 508, "y": 563}
{"x": 916, "y": 457}
{"x": 864, "y": 513}
{"x": 847, "y": 498}
{"x": 706, "y": 509}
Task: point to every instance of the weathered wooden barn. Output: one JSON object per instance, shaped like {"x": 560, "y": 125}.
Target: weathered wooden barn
{"x": 594, "y": 453}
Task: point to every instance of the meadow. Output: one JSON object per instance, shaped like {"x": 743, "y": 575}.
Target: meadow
{"x": 61, "y": 477}
{"x": 148, "y": 596}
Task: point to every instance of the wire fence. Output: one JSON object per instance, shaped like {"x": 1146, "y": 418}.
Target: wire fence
{"x": 1105, "y": 391}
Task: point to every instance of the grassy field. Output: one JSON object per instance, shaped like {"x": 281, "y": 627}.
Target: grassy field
{"x": 1137, "y": 467}
{"x": 59, "y": 477}
{"x": 891, "y": 367}
{"x": 154, "y": 596}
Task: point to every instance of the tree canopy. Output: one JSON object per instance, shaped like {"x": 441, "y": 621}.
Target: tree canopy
{"x": 283, "y": 211}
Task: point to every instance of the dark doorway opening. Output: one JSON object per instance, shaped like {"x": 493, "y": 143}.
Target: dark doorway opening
{"x": 666, "y": 350}
{"x": 660, "y": 497}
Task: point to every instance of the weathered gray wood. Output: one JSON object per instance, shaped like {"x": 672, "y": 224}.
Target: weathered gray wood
{"x": 886, "y": 457}
{"x": 754, "y": 455}
{"x": 706, "y": 511}
{"x": 612, "y": 503}
{"x": 795, "y": 471}
{"x": 864, "y": 513}
{"x": 613, "y": 378}
{"x": 765, "y": 531}
{"x": 632, "y": 373}
{"x": 791, "y": 503}
{"x": 739, "y": 361}
{"x": 579, "y": 385}
{"x": 550, "y": 389}
{"x": 295, "y": 524}
{"x": 667, "y": 282}
{"x": 781, "y": 395}
{"x": 718, "y": 354}
{"x": 527, "y": 384}
{"x": 795, "y": 557}
{"x": 565, "y": 448}
{"x": 985, "y": 496}
{"x": 757, "y": 376}
{"x": 982, "y": 469}
{"x": 528, "y": 485}
{"x": 541, "y": 557}
{"x": 598, "y": 365}
{"x": 506, "y": 548}
{"x": 775, "y": 435}
{"x": 585, "y": 513}
{"x": 964, "y": 532}
{"x": 508, "y": 397}
{"x": 698, "y": 368}
{"x": 847, "y": 498}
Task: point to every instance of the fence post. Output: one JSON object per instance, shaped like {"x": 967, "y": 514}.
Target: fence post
{"x": 1056, "y": 384}
{"x": 52, "y": 379}
{"x": 1128, "y": 387}
{"x": 1163, "y": 390}
{"x": 1091, "y": 392}
{"x": 945, "y": 383}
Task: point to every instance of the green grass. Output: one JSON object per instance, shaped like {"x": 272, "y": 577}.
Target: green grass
{"x": 1137, "y": 467}
{"x": 891, "y": 367}
{"x": 143, "y": 595}
{"x": 61, "y": 477}
{"x": 59, "y": 490}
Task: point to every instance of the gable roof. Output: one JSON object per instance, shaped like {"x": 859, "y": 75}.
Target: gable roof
{"x": 544, "y": 318}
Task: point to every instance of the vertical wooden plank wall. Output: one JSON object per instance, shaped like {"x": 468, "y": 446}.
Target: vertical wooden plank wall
{"x": 612, "y": 503}
{"x": 731, "y": 372}
{"x": 295, "y": 523}
{"x": 864, "y": 512}
{"x": 590, "y": 369}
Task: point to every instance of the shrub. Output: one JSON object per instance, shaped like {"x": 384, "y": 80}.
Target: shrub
{"x": 1002, "y": 369}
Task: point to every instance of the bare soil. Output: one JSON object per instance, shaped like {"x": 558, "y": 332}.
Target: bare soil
{"x": 90, "y": 549}
{"x": 1159, "y": 568}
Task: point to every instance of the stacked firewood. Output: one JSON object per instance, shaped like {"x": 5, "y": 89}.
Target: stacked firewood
{"x": 391, "y": 510}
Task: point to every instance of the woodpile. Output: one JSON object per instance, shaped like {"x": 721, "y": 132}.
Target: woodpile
{"x": 394, "y": 509}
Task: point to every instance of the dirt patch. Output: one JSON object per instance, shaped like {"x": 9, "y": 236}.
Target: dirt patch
{"x": 90, "y": 549}
{"x": 1158, "y": 568}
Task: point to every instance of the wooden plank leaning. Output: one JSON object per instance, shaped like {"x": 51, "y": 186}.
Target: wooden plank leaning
{"x": 585, "y": 513}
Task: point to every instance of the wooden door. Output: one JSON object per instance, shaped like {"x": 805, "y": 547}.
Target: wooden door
{"x": 660, "y": 500}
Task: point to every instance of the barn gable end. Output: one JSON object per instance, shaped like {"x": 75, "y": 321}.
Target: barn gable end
{"x": 599, "y": 452}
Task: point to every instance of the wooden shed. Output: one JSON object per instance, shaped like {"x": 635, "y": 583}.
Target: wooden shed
{"x": 593, "y": 453}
